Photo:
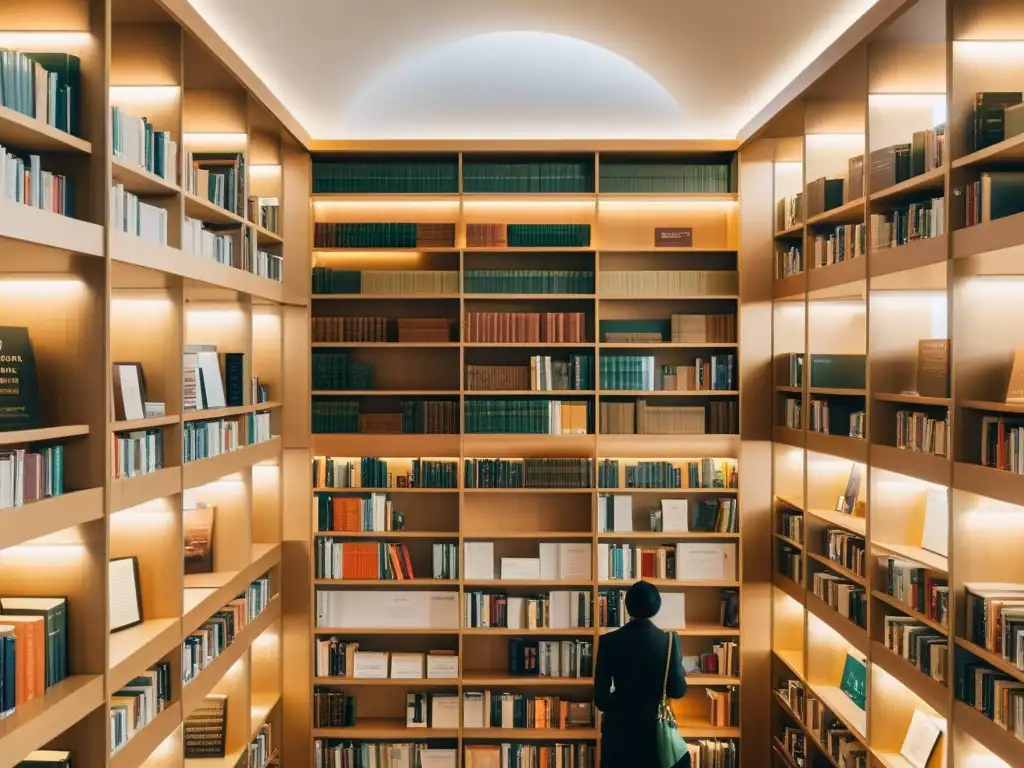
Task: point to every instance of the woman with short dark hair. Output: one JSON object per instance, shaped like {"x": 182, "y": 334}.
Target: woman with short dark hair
{"x": 628, "y": 682}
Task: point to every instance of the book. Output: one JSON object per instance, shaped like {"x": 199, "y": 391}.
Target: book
{"x": 47, "y": 758}
{"x": 54, "y": 611}
{"x": 933, "y": 368}
{"x": 705, "y": 561}
{"x": 204, "y": 732}
{"x": 988, "y": 120}
{"x": 19, "y": 393}
{"x": 854, "y": 680}
{"x": 922, "y": 735}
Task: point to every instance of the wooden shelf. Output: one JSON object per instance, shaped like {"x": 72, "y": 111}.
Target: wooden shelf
{"x": 668, "y": 393}
{"x": 529, "y": 734}
{"x": 136, "y": 649}
{"x": 669, "y": 446}
{"x": 661, "y": 536}
{"x": 43, "y": 434}
{"x": 265, "y": 237}
{"x": 526, "y": 583}
{"x": 529, "y": 392}
{"x": 385, "y": 296}
{"x": 385, "y": 393}
{"x": 989, "y": 482}
{"x": 832, "y": 276}
{"x": 193, "y": 693}
{"x": 200, "y": 208}
{"x": 140, "y": 181}
{"x": 928, "y": 467}
{"x": 993, "y": 659}
{"x": 196, "y": 473}
{"x": 915, "y": 554}
{"x": 797, "y": 230}
{"x": 529, "y": 296}
{"x": 852, "y": 448}
{"x": 853, "y": 634}
{"x": 669, "y": 583}
{"x": 1008, "y": 152}
{"x": 792, "y": 588}
{"x": 207, "y": 593}
{"x": 667, "y": 345}
{"x": 542, "y": 631}
{"x": 396, "y": 682}
{"x": 403, "y": 534}
{"x": 973, "y": 246}
{"x": 793, "y": 659}
{"x": 857, "y": 525}
{"x": 424, "y": 632}
{"x": 852, "y": 716}
{"x": 790, "y": 287}
{"x": 787, "y": 540}
{"x": 992, "y": 406}
{"x": 387, "y": 583}
{"x": 998, "y": 740}
{"x": 499, "y": 679}
{"x": 913, "y": 255}
{"x": 386, "y": 345}
{"x": 675, "y": 297}
{"x": 153, "y": 422}
{"x": 906, "y": 609}
{"x": 133, "y": 491}
{"x": 790, "y": 390}
{"x": 31, "y": 135}
{"x": 847, "y": 213}
{"x": 206, "y": 414}
{"x": 911, "y": 398}
{"x": 789, "y": 503}
{"x": 46, "y": 717}
{"x": 45, "y": 516}
{"x": 837, "y": 391}
{"x": 797, "y": 438}
{"x": 929, "y": 180}
{"x": 145, "y": 742}
{"x": 382, "y": 729}
{"x": 387, "y": 445}
{"x": 928, "y": 689}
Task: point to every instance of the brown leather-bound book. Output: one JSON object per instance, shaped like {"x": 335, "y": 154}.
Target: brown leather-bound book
{"x": 815, "y": 197}
{"x": 933, "y": 368}
{"x": 883, "y": 168}
{"x": 855, "y": 178}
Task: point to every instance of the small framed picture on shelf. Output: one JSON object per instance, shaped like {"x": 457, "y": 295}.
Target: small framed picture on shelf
{"x": 198, "y": 524}
{"x": 125, "y": 597}
{"x": 129, "y": 391}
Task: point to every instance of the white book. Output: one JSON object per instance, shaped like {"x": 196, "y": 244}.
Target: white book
{"x": 622, "y": 513}
{"x": 922, "y": 735}
{"x": 603, "y": 505}
{"x": 602, "y": 561}
{"x": 406, "y": 666}
{"x": 437, "y": 758}
{"x": 473, "y": 709}
{"x": 548, "y": 561}
{"x": 411, "y": 609}
{"x": 935, "y": 532}
{"x": 574, "y": 561}
{"x": 672, "y": 614}
{"x": 213, "y": 385}
{"x": 442, "y": 667}
{"x": 479, "y": 560}
{"x": 514, "y": 612}
{"x": 705, "y": 561}
{"x": 675, "y": 515}
{"x": 370, "y": 664}
{"x": 444, "y": 710}
{"x": 560, "y": 607}
{"x": 520, "y": 568}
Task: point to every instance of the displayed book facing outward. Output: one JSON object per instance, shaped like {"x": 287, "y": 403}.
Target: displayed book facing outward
{"x": 19, "y": 396}
{"x": 933, "y": 368}
{"x": 205, "y": 731}
{"x": 923, "y": 735}
{"x": 47, "y": 758}
{"x": 706, "y": 561}
{"x": 348, "y": 609}
{"x": 854, "y": 682}
{"x": 935, "y": 532}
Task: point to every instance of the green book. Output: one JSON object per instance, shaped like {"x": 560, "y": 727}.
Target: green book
{"x": 855, "y": 680}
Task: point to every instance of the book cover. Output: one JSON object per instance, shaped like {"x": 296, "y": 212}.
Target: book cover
{"x": 19, "y": 388}
{"x": 933, "y": 367}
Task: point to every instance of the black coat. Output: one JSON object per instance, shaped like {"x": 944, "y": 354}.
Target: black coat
{"x": 633, "y": 657}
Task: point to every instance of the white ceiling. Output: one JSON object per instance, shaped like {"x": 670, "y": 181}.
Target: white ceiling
{"x": 584, "y": 69}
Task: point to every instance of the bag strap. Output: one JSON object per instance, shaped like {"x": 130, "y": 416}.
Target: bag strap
{"x": 668, "y": 663}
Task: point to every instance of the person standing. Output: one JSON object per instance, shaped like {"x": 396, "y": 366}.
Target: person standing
{"x": 628, "y": 681}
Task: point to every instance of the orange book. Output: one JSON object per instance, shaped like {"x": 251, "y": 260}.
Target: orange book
{"x": 30, "y": 656}
{"x": 408, "y": 562}
{"x": 396, "y": 563}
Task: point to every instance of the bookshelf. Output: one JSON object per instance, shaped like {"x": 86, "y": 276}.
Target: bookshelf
{"x": 935, "y": 510}
{"x": 96, "y": 295}
{"x": 468, "y": 229}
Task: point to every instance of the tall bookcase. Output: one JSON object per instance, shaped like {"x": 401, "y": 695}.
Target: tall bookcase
{"x": 621, "y": 238}
{"x": 92, "y": 295}
{"x": 922, "y": 69}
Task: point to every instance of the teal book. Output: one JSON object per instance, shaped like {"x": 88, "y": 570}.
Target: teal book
{"x": 855, "y": 680}
{"x": 838, "y": 371}
{"x": 67, "y": 68}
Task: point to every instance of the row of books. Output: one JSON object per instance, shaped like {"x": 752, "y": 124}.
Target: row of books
{"x": 334, "y": 753}
{"x": 792, "y": 413}
{"x": 529, "y": 473}
{"x": 899, "y": 162}
{"x": 489, "y": 709}
{"x": 535, "y": 416}
{"x": 129, "y": 214}
{"x": 30, "y": 474}
{"x": 540, "y": 176}
{"x": 379, "y": 560}
{"x": 262, "y": 263}
{"x": 916, "y": 221}
{"x": 340, "y": 658}
{"x": 997, "y": 116}
{"x": 789, "y": 212}
{"x": 717, "y": 417}
{"x": 136, "y": 453}
{"x": 845, "y": 242}
{"x": 382, "y": 235}
{"x": 202, "y": 240}
{"x": 25, "y": 181}
{"x": 611, "y": 608}
{"x": 677, "y": 329}
{"x": 831, "y": 371}
{"x": 789, "y": 261}
{"x": 723, "y": 659}
{"x": 660, "y": 283}
{"x": 543, "y": 374}
{"x": 916, "y": 431}
{"x": 791, "y": 525}
{"x": 559, "y": 281}
{"x": 828, "y": 417}
{"x": 372, "y": 472}
{"x": 1002, "y": 443}
{"x": 706, "y": 178}
{"x": 387, "y": 176}
{"x": 218, "y": 177}
{"x": 995, "y": 694}
{"x": 43, "y": 86}
{"x": 615, "y": 515}
{"x": 790, "y": 563}
{"x": 354, "y": 514}
{"x": 204, "y": 732}
{"x": 995, "y": 195}
{"x": 137, "y": 142}
{"x": 919, "y": 644}
{"x": 33, "y": 648}
{"x": 392, "y": 281}
{"x": 845, "y": 597}
{"x": 556, "y": 609}
{"x": 382, "y": 329}
{"x": 137, "y": 704}
{"x": 333, "y": 708}
{"x": 915, "y": 587}
{"x": 550, "y": 658}
{"x": 336, "y": 370}
{"x": 213, "y": 379}
{"x": 266, "y": 212}
{"x": 261, "y": 749}
{"x": 704, "y": 473}
{"x": 206, "y": 439}
{"x": 845, "y": 548}
{"x": 995, "y": 619}
{"x": 569, "y": 561}
{"x": 527, "y": 327}
{"x": 684, "y": 561}
{"x": 435, "y": 417}
{"x": 480, "y": 235}
{"x": 639, "y": 372}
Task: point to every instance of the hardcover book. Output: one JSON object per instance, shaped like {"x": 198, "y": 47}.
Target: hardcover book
{"x": 933, "y": 367}
{"x": 19, "y": 388}
{"x": 855, "y": 680}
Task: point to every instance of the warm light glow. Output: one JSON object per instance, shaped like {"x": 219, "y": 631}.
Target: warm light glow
{"x": 994, "y": 516}
{"x": 267, "y": 641}
{"x": 156, "y": 506}
{"x": 267, "y": 171}
{"x": 233, "y": 140}
{"x": 890, "y": 481}
{"x": 143, "y": 520}
{"x": 32, "y": 288}
{"x": 653, "y": 206}
{"x": 236, "y": 671}
{"x": 196, "y": 313}
{"x": 51, "y": 42}
{"x": 999, "y": 52}
{"x": 169, "y": 747}
{"x": 421, "y": 207}
{"x": 936, "y": 102}
{"x": 986, "y": 760}
{"x": 31, "y": 555}
{"x": 143, "y": 94}
{"x": 827, "y": 140}
{"x": 838, "y": 307}
{"x": 998, "y": 287}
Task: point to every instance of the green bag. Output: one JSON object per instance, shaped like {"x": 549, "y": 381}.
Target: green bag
{"x": 671, "y": 746}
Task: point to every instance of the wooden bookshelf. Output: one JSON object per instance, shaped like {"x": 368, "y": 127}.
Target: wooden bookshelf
{"x": 621, "y": 238}
{"x": 97, "y": 296}
{"x": 940, "y": 287}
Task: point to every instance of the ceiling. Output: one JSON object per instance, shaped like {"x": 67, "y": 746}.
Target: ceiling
{"x": 485, "y": 69}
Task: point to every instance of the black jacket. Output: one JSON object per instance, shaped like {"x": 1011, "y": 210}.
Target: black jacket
{"x": 633, "y": 658}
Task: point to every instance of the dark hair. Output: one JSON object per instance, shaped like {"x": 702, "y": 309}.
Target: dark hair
{"x": 643, "y": 600}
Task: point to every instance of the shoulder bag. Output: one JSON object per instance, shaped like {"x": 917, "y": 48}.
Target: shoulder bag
{"x": 671, "y": 746}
